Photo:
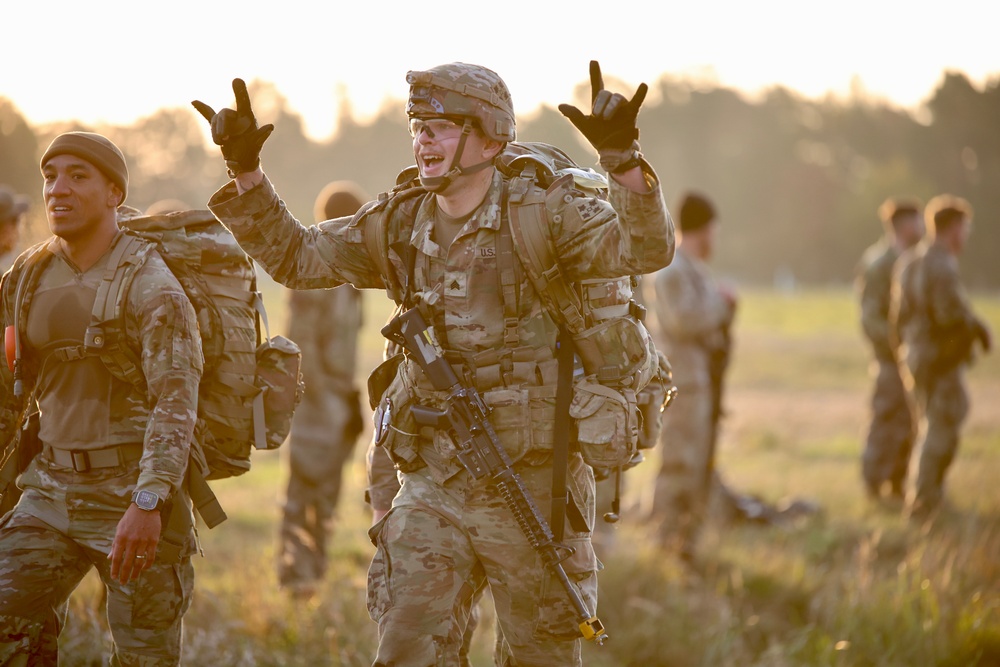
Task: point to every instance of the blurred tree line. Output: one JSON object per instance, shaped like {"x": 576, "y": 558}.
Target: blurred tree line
{"x": 796, "y": 181}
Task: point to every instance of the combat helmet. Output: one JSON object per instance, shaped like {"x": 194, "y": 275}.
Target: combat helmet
{"x": 466, "y": 91}
{"x": 472, "y": 94}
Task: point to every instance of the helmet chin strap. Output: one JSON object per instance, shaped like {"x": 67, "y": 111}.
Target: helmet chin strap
{"x": 439, "y": 183}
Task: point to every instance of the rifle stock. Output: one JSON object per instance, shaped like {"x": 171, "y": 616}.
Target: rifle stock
{"x": 466, "y": 419}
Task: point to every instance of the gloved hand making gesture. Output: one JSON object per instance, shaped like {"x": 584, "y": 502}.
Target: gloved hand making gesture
{"x": 236, "y": 131}
{"x": 611, "y": 125}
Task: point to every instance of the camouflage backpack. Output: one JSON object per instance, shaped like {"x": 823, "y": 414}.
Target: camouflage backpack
{"x": 249, "y": 387}
{"x": 600, "y": 316}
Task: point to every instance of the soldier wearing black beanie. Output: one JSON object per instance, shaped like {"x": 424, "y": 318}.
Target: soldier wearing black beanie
{"x": 95, "y": 149}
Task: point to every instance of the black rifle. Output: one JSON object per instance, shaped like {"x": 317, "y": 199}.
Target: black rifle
{"x": 466, "y": 419}
{"x": 718, "y": 362}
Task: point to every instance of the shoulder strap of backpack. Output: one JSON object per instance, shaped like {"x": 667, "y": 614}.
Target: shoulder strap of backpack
{"x": 30, "y": 269}
{"x": 535, "y": 247}
{"x": 106, "y": 334}
{"x": 375, "y": 220}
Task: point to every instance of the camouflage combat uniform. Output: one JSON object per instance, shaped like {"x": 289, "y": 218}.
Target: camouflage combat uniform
{"x": 325, "y": 426}
{"x": 891, "y": 433}
{"x": 935, "y": 323}
{"x": 693, "y": 321}
{"x": 447, "y": 534}
{"x": 65, "y": 521}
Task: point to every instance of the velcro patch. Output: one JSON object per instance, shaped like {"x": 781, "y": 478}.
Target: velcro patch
{"x": 588, "y": 208}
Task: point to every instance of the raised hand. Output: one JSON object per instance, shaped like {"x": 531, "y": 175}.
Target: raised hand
{"x": 236, "y": 132}
{"x": 611, "y": 125}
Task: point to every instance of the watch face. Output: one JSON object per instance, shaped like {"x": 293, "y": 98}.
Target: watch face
{"x": 146, "y": 500}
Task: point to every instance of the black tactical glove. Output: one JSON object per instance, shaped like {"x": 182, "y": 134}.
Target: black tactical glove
{"x": 610, "y": 127}
{"x": 236, "y": 131}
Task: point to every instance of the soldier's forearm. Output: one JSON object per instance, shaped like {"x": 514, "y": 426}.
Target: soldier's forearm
{"x": 248, "y": 180}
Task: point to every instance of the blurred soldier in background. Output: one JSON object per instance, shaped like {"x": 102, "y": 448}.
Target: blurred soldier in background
{"x": 326, "y": 425}
{"x": 932, "y": 318}
{"x": 695, "y": 313}
{"x": 886, "y": 455}
{"x": 12, "y": 209}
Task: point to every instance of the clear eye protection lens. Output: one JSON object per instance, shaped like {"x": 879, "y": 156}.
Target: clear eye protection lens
{"x": 436, "y": 128}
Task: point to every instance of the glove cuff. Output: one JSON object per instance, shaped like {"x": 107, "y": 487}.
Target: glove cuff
{"x": 616, "y": 160}
{"x": 235, "y": 167}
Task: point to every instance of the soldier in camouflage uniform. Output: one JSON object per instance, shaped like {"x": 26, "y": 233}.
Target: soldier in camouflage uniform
{"x": 12, "y": 209}
{"x": 694, "y": 312}
{"x": 933, "y": 320}
{"x": 326, "y": 424}
{"x": 113, "y": 457}
{"x": 447, "y": 534}
{"x": 886, "y": 455}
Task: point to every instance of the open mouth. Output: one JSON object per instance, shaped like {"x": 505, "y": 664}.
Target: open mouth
{"x": 432, "y": 161}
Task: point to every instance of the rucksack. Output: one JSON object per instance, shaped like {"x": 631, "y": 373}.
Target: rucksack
{"x": 249, "y": 387}
{"x": 617, "y": 353}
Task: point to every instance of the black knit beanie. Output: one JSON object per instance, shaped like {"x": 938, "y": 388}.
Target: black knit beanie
{"x": 95, "y": 149}
{"x": 695, "y": 212}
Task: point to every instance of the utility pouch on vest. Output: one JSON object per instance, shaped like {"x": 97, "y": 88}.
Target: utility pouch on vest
{"x": 395, "y": 429}
{"x": 279, "y": 377}
{"x": 607, "y": 423}
{"x": 613, "y": 350}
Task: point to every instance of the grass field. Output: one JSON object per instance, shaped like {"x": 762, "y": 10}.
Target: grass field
{"x": 853, "y": 586}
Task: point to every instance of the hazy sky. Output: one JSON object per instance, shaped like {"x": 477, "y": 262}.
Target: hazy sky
{"x": 114, "y": 61}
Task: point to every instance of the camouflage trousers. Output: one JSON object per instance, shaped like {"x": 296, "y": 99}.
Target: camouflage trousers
{"x": 316, "y": 464}
{"x": 441, "y": 544}
{"x": 890, "y": 437}
{"x": 683, "y": 483}
{"x": 41, "y": 564}
{"x": 943, "y": 403}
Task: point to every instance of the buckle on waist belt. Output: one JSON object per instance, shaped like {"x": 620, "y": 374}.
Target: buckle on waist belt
{"x": 85, "y": 460}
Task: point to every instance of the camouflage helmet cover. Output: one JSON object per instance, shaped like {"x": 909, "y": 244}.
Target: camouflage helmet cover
{"x": 460, "y": 89}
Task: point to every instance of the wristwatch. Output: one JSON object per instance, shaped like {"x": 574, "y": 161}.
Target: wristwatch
{"x": 147, "y": 500}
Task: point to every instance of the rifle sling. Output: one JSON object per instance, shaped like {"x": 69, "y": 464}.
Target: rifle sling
{"x": 560, "y": 439}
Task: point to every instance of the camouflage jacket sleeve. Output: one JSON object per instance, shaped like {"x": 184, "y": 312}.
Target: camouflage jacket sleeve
{"x": 299, "y": 257}
{"x": 629, "y": 234}
{"x": 876, "y": 289}
{"x": 688, "y": 305}
{"x": 163, "y": 320}
{"x": 947, "y": 303}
